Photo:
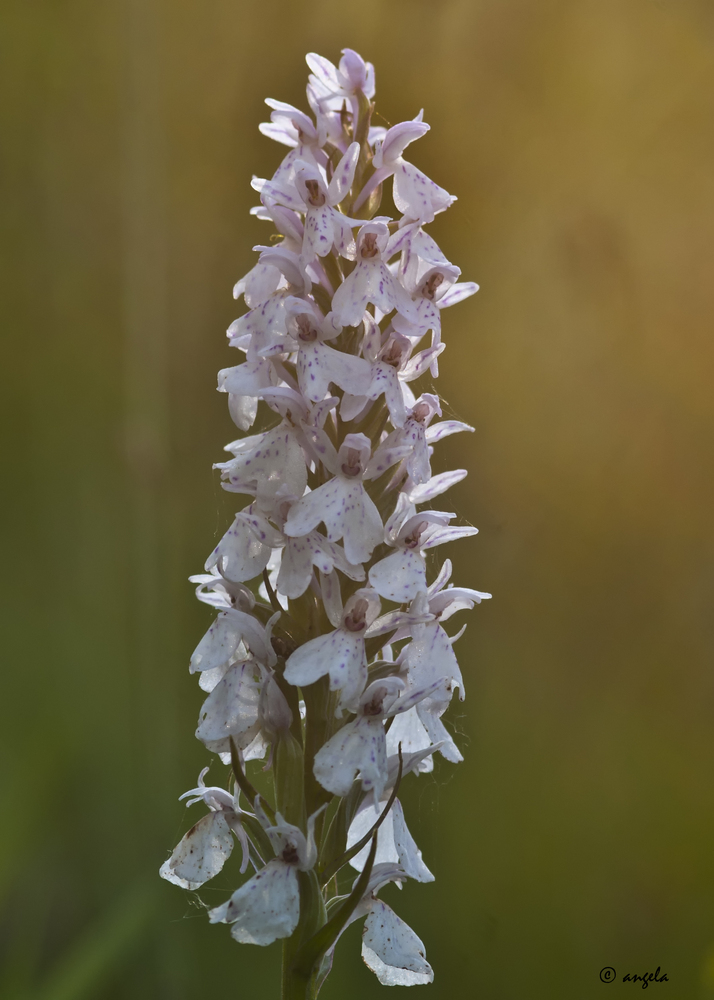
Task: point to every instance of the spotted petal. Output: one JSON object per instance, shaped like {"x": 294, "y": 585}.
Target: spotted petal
{"x": 340, "y": 654}
{"x": 231, "y": 709}
{"x": 264, "y": 909}
{"x": 392, "y": 950}
{"x": 359, "y": 747}
{"x": 200, "y": 854}
{"x": 400, "y": 576}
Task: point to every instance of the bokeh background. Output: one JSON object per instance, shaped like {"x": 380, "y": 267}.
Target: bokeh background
{"x": 578, "y": 138}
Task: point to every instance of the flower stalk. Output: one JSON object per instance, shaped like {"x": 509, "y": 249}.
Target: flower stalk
{"x": 328, "y": 659}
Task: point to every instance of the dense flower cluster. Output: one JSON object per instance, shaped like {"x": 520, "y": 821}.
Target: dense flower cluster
{"x": 329, "y": 657}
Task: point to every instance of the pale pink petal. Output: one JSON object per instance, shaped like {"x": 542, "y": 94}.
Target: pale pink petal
{"x": 344, "y": 175}
{"x": 400, "y": 576}
{"x": 457, "y": 293}
{"x": 448, "y": 534}
{"x": 357, "y": 748}
{"x": 266, "y": 908}
{"x": 200, "y": 854}
{"x": 392, "y": 950}
{"x": 231, "y": 709}
{"x": 437, "y": 432}
{"x": 416, "y": 196}
{"x": 350, "y": 300}
{"x": 436, "y": 485}
{"x": 339, "y": 654}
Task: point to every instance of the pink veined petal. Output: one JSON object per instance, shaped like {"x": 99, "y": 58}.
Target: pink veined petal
{"x": 392, "y": 950}
{"x": 344, "y": 175}
{"x": 342, "y": 235}
{"x": 416, "y": 195}
{"x": 417, "y": 365}
{"x": 324, "y": 70}
{"x": 453, "y": 599}
{"x": 282, "y": 193}
{"x": 289, "y": 265}
{"x": 400, "y": 240}
{"x": 353, "y": 70}
{"x": 287, "y": 221}
{"x": 286, "y": 171}
{"x": 400, "y": 576}
{"x": 426, "y": 247}
{"x": 442, "y": 578}
{"x": 297, "y": 118}
{"x": 437, "y": 432}
{"x": 385, "y": 457}
{"x": 457, "y": 293}
{"x": 282, "y": 132}
{"x": 350, "y": 300}
{"x": 319, "y": 232}
{"x": 428, "y": 318}
{"x": 449, "y": 534}
{"x": 436, "y": 485}
{"x": 200, "y": 854}
{"x": 397, "y": 139}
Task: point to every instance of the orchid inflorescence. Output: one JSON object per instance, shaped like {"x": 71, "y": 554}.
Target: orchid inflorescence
{"x": 329, "y": 658}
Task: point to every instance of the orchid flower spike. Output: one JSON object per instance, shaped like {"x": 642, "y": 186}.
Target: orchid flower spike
{"x": 330, "y": 662}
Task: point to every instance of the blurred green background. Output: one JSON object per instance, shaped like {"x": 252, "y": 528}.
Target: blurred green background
{"x": 578, "y": 138}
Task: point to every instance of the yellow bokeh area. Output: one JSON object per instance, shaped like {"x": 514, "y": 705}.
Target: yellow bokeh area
{"x": 578, "y": 137}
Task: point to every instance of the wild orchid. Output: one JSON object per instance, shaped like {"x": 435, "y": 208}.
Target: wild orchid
{"x": 329, "y": 659}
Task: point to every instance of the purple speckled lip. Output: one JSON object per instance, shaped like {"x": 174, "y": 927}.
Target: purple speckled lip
{"x": 330, "y": 663}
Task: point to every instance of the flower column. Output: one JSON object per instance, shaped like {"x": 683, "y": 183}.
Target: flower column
{"x": 329, "y": 658}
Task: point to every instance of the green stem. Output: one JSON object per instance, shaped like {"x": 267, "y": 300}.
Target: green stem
{"x": 294, "y": 987}
{"x": 296, "y": 983}
{"x": 320, "y": 723}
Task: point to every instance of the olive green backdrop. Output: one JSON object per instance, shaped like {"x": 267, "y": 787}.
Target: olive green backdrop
{"x": 578, "y": 138}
